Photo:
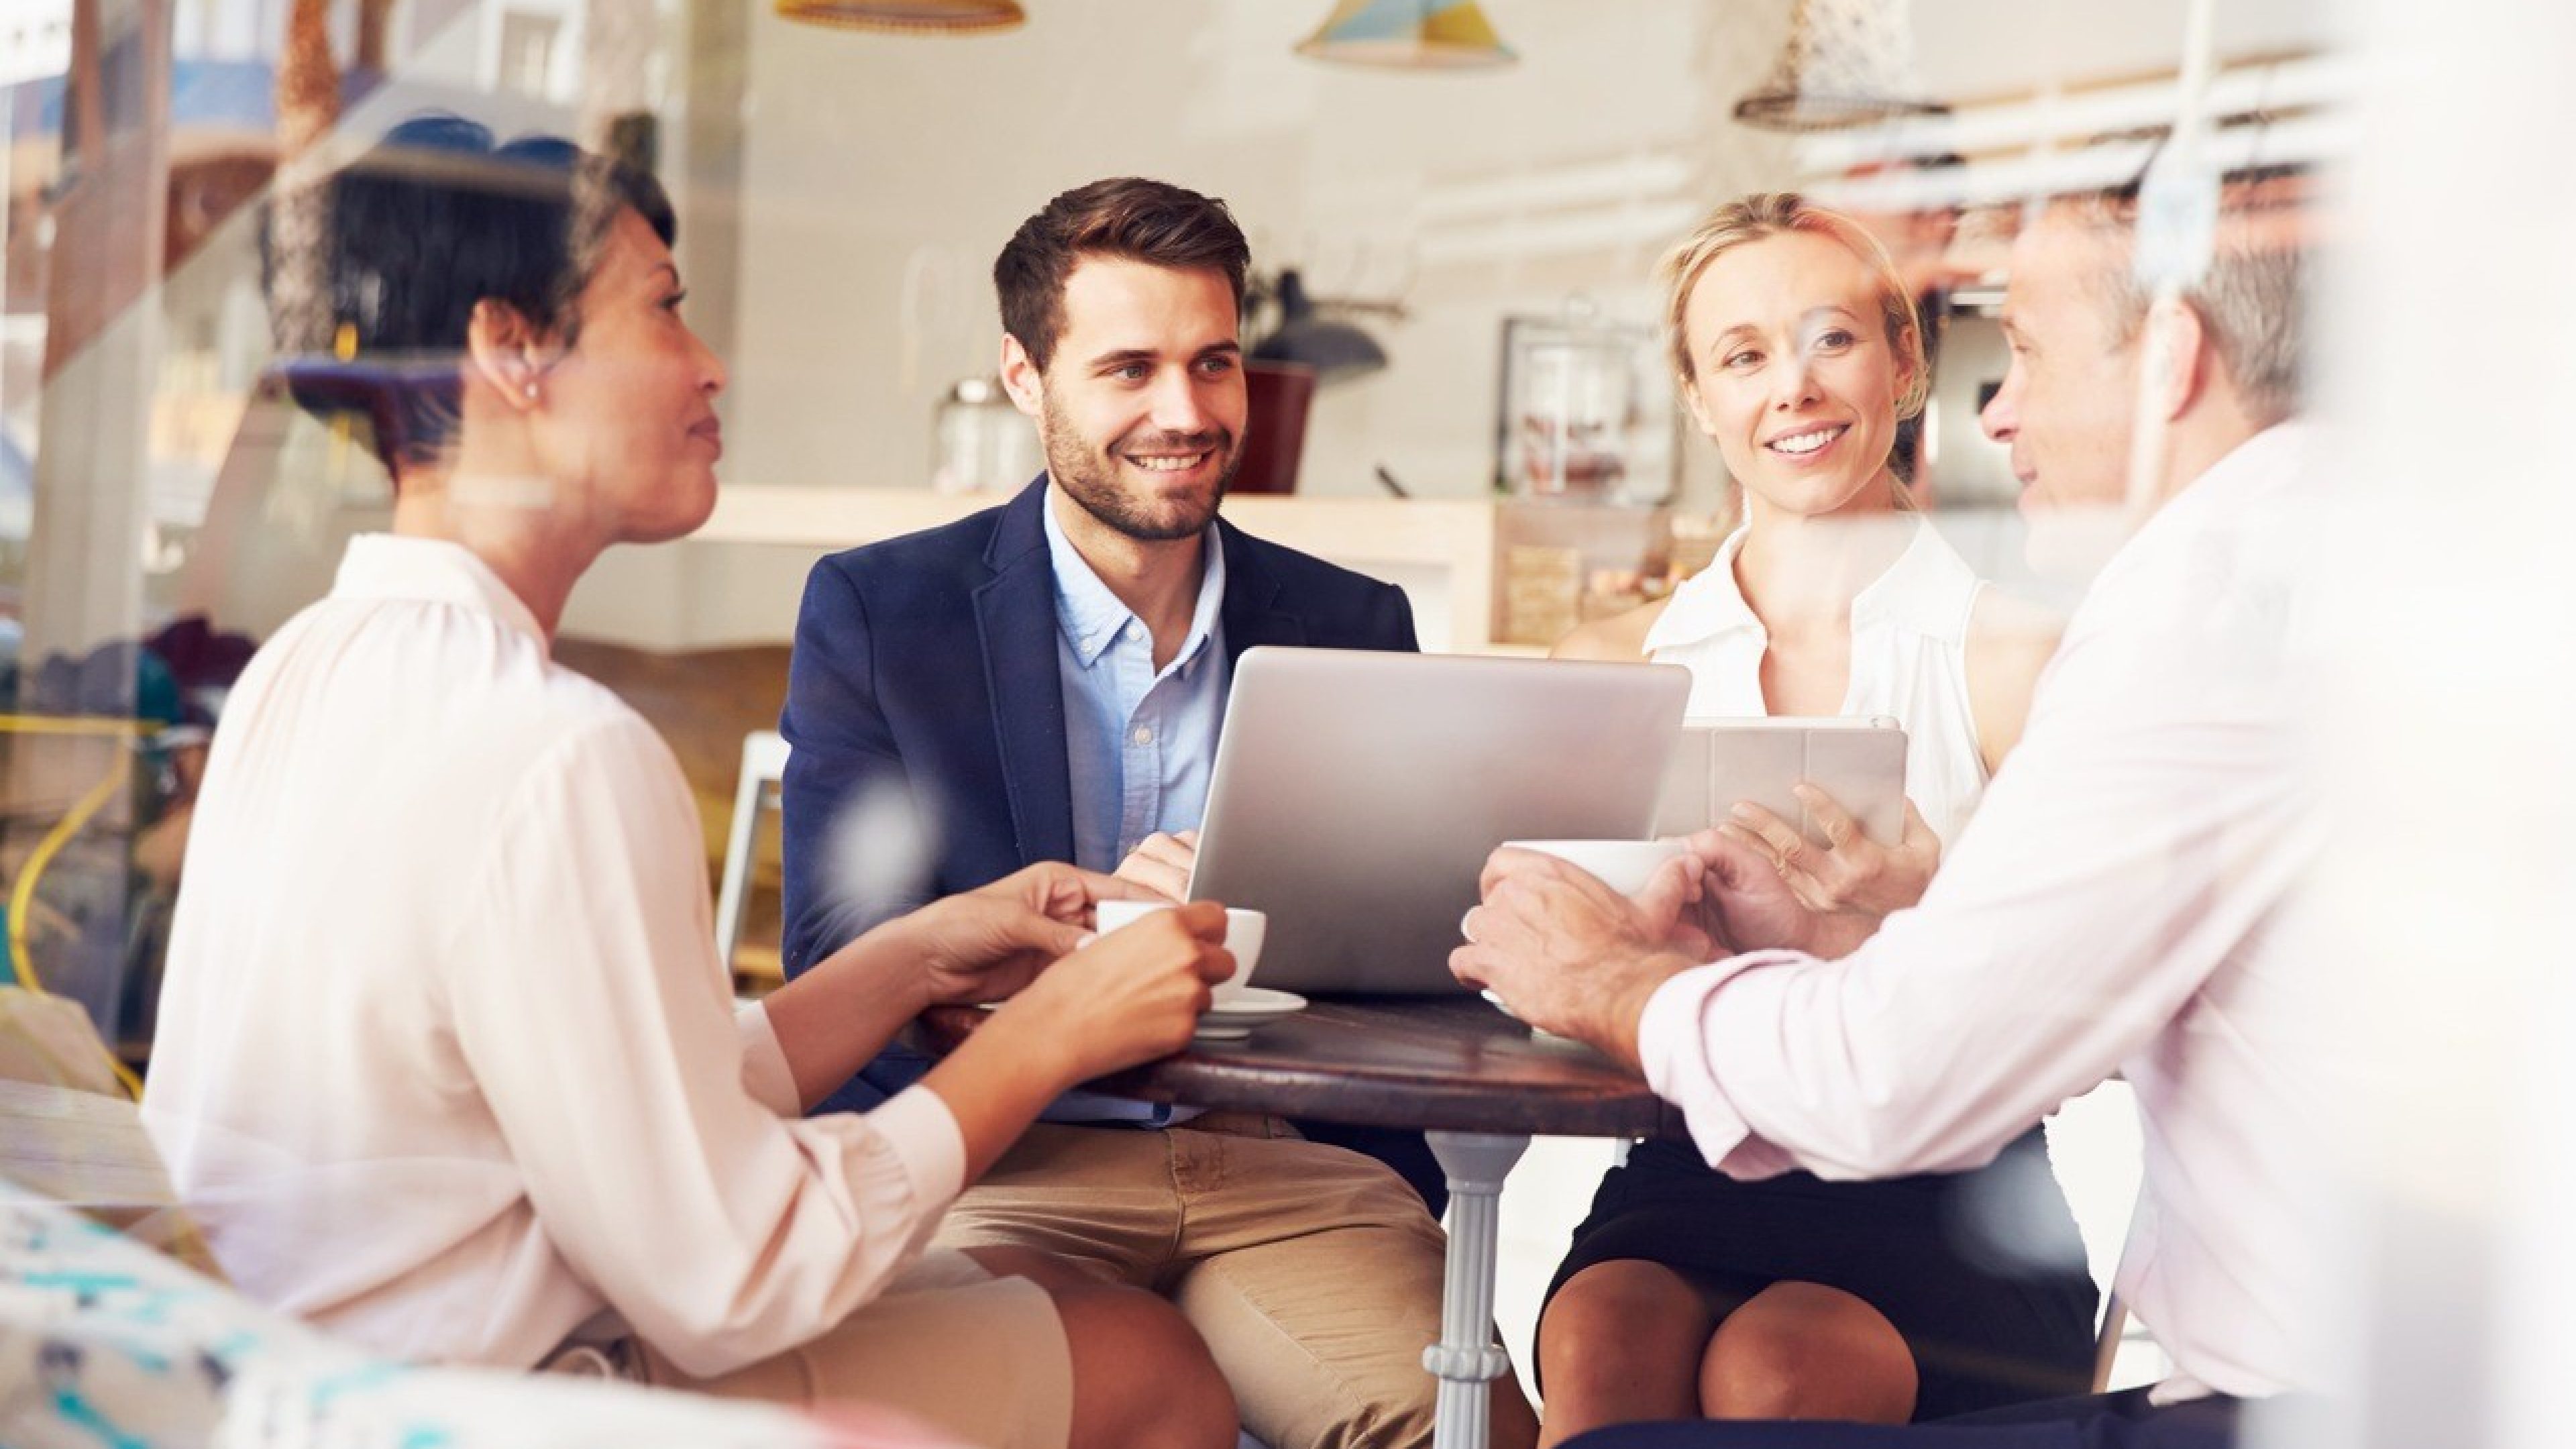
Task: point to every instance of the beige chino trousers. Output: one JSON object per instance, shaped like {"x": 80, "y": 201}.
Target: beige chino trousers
{"x": 980, "y": 1358}
{"x": 1314, "y": 1273}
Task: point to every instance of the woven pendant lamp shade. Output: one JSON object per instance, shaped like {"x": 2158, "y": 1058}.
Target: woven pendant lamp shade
{"x": 914, "y": 16}
{"x": 1847, "y": 63}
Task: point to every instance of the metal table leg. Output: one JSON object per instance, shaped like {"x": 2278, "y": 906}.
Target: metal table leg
{"x": 1466, "y": 1359}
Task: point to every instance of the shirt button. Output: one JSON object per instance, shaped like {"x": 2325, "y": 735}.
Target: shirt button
{"x": 1142, "y": 736}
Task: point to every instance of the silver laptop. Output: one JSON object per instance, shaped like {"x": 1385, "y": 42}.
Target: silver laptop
{"x": 1357, "y": 794}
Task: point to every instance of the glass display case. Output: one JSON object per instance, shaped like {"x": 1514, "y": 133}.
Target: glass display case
{"x": 1584, "y": 415}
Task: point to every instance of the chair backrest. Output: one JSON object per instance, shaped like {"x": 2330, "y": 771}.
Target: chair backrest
{"x": 764, "y": 760}
{"x": 69, "y": 1132}
{"x": 2094, "y": 1149}
{"x": 2106, "y": 1342}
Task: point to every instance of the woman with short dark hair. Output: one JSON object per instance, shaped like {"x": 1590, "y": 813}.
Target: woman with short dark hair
{"x": 447, "y": 1061}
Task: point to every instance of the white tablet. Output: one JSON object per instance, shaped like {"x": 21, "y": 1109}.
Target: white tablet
{"x": 1858, "y": 761}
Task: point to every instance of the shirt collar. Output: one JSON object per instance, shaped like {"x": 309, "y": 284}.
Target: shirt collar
{"x": 431, "y": 570}
{"x": 1706, "y": 604}
{"x": 1710, "y": 602}
{"x": 1091, "y": 616}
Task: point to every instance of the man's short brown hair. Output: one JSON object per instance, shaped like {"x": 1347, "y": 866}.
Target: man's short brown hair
{"x": 1126, "y": 217}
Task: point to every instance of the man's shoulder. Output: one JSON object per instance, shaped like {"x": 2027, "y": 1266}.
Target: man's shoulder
{"x": 946, "y": 549}
{"x": 2250, "y": 523}
{"x": 1304, "y": 579}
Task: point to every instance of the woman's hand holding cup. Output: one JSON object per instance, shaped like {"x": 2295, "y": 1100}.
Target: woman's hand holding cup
{"x": 1243, "y": 932}
{"x": 1132, "y": 994}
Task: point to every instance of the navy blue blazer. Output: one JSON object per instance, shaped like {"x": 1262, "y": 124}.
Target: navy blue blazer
{"x": 925, "y": 679}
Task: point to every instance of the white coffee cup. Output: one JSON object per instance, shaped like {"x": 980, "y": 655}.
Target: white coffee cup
{"x": 1624, "y": 865}
{"x": 1243, "y": 931}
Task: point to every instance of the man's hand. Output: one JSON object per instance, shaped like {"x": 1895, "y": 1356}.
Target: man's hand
{"x": 1853, "y": 872}
{"x": 1127, "y": 997}
{"x": 1570, "y": 955}
{"x": 1161, "y": 863}
{"x": 988, "y": 943}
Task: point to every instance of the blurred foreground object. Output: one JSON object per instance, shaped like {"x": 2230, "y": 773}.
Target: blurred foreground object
{"x": 104, "y": 1341}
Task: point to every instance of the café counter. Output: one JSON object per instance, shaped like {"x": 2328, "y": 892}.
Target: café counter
{"x": 1440, "y": 551}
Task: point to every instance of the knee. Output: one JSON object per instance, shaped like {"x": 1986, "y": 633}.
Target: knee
{"x": 1142, "y": 1377}
{"x": 1613, "y": 1317}
{"x": 1805, "y": 1351}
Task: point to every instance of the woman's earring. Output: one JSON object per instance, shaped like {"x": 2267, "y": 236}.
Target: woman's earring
{"x": 532, "y": 392}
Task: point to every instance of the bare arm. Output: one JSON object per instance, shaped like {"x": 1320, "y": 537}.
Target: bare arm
{"x": 1106, "y": 1004}
{"x": 1619, "y": 639}
{"x": 1128, "y": 997}
{"x": 830, "y": 1021}
{"x": 2010, "y": 640}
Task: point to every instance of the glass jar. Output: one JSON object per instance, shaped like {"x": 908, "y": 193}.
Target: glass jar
{"x": 980, "y": 443}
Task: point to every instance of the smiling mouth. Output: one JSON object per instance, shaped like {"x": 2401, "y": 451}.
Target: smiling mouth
{"x": 1169, "y": 462}
{"x": 1811, "y": 440}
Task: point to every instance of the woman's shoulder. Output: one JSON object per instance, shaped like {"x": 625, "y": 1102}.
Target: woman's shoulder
{"x": 2004, "y": 625}
{"x": 2010, "y": 640}
{"x": 1620, "y": 637}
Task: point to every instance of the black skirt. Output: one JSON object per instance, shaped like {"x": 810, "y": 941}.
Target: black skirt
{"x": 1982, "y": 1272}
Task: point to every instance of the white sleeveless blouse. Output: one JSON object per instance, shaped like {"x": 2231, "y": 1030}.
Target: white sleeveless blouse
{"x": 1909, "y": 635}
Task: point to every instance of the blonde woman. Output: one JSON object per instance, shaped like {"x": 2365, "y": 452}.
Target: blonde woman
{"x": 1686, "y": 1293}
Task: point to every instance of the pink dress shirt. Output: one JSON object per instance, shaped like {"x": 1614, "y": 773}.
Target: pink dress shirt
{"x": 2114, "y": 907}
{"x": 446, "y": 1061}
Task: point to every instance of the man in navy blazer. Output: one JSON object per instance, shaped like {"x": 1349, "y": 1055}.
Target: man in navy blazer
{"x": 1044, "y": 681}
{"x": 928, "y": 663}
{"x": 924, "y": 679}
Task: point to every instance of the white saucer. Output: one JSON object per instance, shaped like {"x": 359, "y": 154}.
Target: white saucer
{"x": 1537, "y": 1032}
{"x": 1240, "y": 1011}
{"x": 1233, "y": 1018}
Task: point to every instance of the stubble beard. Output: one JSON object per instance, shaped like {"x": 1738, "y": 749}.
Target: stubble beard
{"x": 1088, "y": 476}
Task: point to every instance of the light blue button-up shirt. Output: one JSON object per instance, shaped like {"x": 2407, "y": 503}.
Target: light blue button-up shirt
{"x": 1140, "y": 744}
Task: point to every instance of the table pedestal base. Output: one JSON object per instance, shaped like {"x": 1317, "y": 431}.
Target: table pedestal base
{"x": 1466, "y": 1359}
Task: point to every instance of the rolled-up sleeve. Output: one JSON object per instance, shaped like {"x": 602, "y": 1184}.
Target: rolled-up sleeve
{"x": 2151, "y": 820}
{"x": 1672, "y": 1040}
{"x": 914, "y": 1122}
{"x": 653, "y": 1127}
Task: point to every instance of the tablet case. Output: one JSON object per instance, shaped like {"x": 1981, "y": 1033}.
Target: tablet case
{"x": 1859, "y": 762}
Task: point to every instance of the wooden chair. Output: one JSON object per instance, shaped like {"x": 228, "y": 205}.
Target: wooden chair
{"x": 764, "y": 759}
{"x": 2106, "y": 1341}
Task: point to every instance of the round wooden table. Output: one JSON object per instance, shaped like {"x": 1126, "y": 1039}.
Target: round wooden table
{"x": 1478, "y": 1083}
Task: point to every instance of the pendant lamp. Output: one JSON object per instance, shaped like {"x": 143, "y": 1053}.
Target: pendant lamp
{"x": 1409, "y": 35}
{"x": 1847, "y": 63}
{"x": 915, "y": 17}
